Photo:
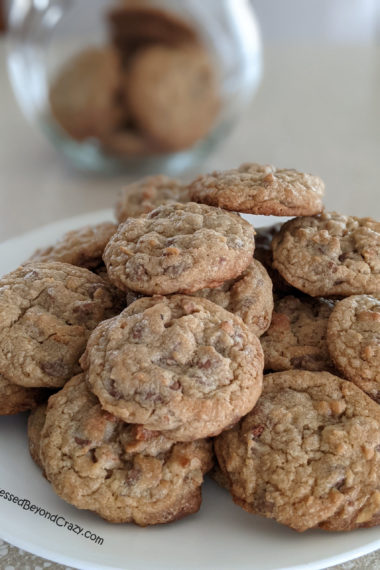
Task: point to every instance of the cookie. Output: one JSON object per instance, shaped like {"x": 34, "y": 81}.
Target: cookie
{"x": 124, "y": 473}
{"x": 263, "y": 252}
{"x": 179, "y": 248}
{"x": 145, "y": 195}
{"x": 249, "y": 296}
{"x": 308, "y": 455}
{"x": 180, "y": 365}
{"x": 36, "y": 422}
{"x": 84, "y": 95}
{"x": 258, "y": 189}
{"x": 172, "y": 95}
{"x": 83, "y": 247}
{"x": 353, "y": 336}
{"x": 47, "y": 311}
{"x": 15, "y": 399}
{"x": 330, "y": 254}
{"x": 133, "y": 27}
{"x": 297, "y": 336}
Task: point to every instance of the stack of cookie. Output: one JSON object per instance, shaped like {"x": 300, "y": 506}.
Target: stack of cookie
{"x": 152, "y": 90}
{"x": 130, "y": 436}
{"x": 308, "y": 454}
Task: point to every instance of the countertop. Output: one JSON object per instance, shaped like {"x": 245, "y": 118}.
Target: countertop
{"x": 317, "y": 109}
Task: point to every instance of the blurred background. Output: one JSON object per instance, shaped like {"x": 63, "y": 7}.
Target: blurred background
{"x": 297, "y": 85}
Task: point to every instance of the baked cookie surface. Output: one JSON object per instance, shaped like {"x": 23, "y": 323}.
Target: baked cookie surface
{"x": 297, "y": 336}
{"x": 249, "y": 296}
{"x": 122, "y": 472}
{"x": 179, "y": 248}
{"x": 83, "y": 247}
{"x": 308, "y": 453}
{"x": 145, "y": 195}
{"x": 172, "y": 94}
{"x": 260, "y": 189}
{"x": 47, "y": 311}
{"x": 181, "y": 365}
{"x": 354, "y": 341}
{"x": 330, "y": 254}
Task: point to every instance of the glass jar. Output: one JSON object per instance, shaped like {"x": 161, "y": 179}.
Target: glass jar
{"x": 147, "y": 86}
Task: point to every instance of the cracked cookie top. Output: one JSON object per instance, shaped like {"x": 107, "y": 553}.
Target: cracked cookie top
{"x": 353, "y": 336}
{"x": 179, "y": 248}
{"x": 145, "y": 195}
{"x": 123, "y": 472}
{"x": 249, "y": 296}
{"x": 260, "y": 189}
{"x": 330, "y": 254}
{"x": 181, "y": 365}
{"x": 297, "y": 335}
{"x": 47, "y": 311}
{"x": 83, "y": 247}
{"x": 308, "y": 455}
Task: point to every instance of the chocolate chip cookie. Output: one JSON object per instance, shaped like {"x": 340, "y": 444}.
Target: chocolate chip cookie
{"x": 83, "y": 247}
{"x": 297, "y": 336}
{"x": 353, "y": 336}
{"x": 84, "y": 95}
{"x": 47, "y": 311}
{"x": 172, "y": 94}
{"x": 180, "y": 365}
{"x": 260, "y": 189}
{"x": 249, "y": 296}
{"x": 15, "y": 399}
{"x": 145, "y": 195}
{"x": 308, "y": 455}
{"x": 124, "y": 473}
{"x": 330, "y": 254}
{"x": 179, "y": 248}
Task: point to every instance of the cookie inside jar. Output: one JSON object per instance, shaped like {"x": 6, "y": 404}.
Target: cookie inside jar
{"x": 151, "y": 87}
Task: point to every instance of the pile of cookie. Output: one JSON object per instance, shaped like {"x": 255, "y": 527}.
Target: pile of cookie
{"x": 158, "y": 330}
{"x": 152, "y": 89}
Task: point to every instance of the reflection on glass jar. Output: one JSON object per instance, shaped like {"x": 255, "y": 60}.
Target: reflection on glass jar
{"x": 141, "y": 86}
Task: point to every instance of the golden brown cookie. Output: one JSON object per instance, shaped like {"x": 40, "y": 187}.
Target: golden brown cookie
{"x": 353, "y": 336}
{"x": 83, "y": 247}
{"x": 172, "y": 94}
{"x": 15, "y": 399}
{"x": 330, "y": 254}
{"x": 297, "y": 336}
{"x": 47, "y": 311}
{"x": 36, "y": 422}
{"x": 148, "y": 193}
{"x": 180, "y": 365}
{"x": 84, "y": 95}
{"x": 179, "y": 248}
{"x": 249, "y": 296}
{"x": 260, "y": 189}
{"x": 308, "y": 455}
{"x": 122, "y": 472}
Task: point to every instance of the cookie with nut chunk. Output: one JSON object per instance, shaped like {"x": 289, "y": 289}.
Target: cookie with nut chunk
{"x": 308, "y": 454}
{"x": 181, "y": 365}
{"x": 123, "y": 472}
{"x": 179, "y": 248}
{"x": 260, "y": 189}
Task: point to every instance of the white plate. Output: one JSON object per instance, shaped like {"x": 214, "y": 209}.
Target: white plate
{"x": 221, "y": 536}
